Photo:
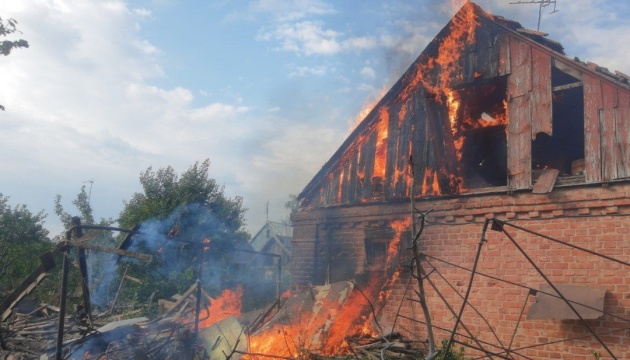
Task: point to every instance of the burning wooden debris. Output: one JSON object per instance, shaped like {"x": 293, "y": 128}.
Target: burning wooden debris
{"x": 303, "y": 325}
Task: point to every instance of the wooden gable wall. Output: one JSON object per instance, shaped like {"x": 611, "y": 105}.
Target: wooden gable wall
{"x": 413, "y": 120}
{"x": 417, "y": 124}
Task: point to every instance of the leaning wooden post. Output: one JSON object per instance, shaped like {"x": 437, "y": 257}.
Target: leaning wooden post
{"x": 62, "y": 304}
{"x": 419, "y": 272}
{"x": 85, "y": 289}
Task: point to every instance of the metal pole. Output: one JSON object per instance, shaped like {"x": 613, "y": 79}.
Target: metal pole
{"x": 198, "y": 305}
{"x": 279, "y": 278}
{"x": 62, "y": 304}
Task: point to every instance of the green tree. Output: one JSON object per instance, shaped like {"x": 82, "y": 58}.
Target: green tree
{"x": 7, "y": 28}
{"x": 22, "y": 239}
{"x": 176, "y": 213}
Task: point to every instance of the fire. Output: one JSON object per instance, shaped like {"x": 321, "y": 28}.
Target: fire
{"x": 430, "y": 183}
{"x": 227, "y": 304}
{"x": 340, "y": 186}
{"x": 369, "y": 104}
{"x": 380, "y": 158}
{"x": 328, "y": 322}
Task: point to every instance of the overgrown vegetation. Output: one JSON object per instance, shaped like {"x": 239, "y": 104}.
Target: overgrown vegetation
{"x": 176, "y": 214}
{"x": 22, "y": 239}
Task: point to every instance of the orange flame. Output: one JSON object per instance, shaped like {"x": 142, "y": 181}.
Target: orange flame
{"x": 367, "y": 107}
{"x": 380, "y": 158}
{"x": 227, "y": 304}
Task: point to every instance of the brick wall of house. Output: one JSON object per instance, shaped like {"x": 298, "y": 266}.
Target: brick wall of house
{"x": 329, "y": 245}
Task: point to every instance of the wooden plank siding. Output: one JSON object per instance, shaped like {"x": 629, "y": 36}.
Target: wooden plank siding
{"x": 519, "y": 113}
{"x": 504, "y": 67}
{"x": 622, "y": 135}
{"x": 592, "y": 143}
{"x": 418, "y": 123}
{"x": 541, "y": 94}
{"x": 607, "y": 128}
{"x": 519, "y": 143}
{"x": 393, "y": 136}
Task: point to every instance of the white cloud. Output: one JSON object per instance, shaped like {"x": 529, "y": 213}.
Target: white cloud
{"x": 302, "y": 71}
{"x": 216, "y": 112}
{"x": 80, "y": 105}
{"x": 366, "y": 87}
{"x": 368, "y": 72}
{"x": 304, "y": 37}
{"x": 292, "y": 10}
{"x": 360, "y": 43}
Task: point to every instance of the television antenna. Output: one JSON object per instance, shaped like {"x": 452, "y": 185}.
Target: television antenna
{"x": 541, "y": 5}
{"x": 91, "y": 181}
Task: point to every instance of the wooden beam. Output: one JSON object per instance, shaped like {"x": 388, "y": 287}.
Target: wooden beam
{"x": 108, "y": 250}
{"x": 568, "y": 86}
{"x": 567, "y": 69}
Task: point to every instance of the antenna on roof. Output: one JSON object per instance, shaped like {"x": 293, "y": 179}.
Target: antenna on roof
{"x": 541, "y": 4}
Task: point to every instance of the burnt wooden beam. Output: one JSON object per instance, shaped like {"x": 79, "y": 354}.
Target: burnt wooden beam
{"x": 568, "y": 86}
{"x": 567, "y": 69}
{"x": 62, "y": 305}
{"x": 109, "y": 250}
{"x": 28, "y": 285}
{"x": 85, "y": 289}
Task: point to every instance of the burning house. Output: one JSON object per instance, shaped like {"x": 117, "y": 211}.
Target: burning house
{"x": 505, "y": 133}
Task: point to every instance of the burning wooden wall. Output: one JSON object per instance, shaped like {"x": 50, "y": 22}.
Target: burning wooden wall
{"x": 481, "y": 77}
{"x": 484, "y": 111}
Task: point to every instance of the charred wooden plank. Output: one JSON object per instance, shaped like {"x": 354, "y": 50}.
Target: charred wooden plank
{"x": 546, "y": 181}
{"x": 25, "y": 288}
{"x": 503, "y": 42}
{"x": 520, "y": 81}
{"x": 404, "y": 150}
{"x": 592, "y": 141}
{"x": 87, "y": 246}
{"x": 393, "y": 137}
{"x": 567, "y": 86}
{"x": 519, "y": 143}
{"x": 418, "y": 140}
{"x": 351, "y": 196}
{"x": 541, "y": 93}
{"x": 607, "y": 126}
{"x": 565, "y": 68}
{"x": 622, "y": 135}
{"x": 369, "y": 151}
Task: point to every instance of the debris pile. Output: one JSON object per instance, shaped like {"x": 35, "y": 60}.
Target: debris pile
{"x": 302, "y": 325}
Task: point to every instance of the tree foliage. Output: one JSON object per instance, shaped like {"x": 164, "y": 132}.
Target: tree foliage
{"x": 8, "y": 27}
{"x": 22, "y": 239}
{"x": 176, "y": 213}
{"x": 164, "y": 191}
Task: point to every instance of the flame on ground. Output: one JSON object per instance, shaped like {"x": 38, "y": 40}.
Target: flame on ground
{"x": 326, "y": 325}
{"x": 227, "y": 304}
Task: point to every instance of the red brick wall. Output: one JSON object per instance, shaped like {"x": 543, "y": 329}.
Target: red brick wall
{"x": 595, "y": 217}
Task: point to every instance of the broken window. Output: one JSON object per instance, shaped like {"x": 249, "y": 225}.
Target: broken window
{"x": 563, "y": 149}
{"x": 481, "y": 125}
{"x": 376, "y": 244}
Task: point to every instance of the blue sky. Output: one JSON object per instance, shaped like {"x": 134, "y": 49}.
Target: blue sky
{"x": 266, "y": 89}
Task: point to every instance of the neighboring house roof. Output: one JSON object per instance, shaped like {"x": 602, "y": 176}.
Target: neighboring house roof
{"x": 274, "y": 229}
{"x": 412, "y": 119}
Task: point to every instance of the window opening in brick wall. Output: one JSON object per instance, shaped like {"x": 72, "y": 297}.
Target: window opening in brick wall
{"x": 376, "y": 244}
{"x": 482, "y": 121}
{"x": 564, "y": 148}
